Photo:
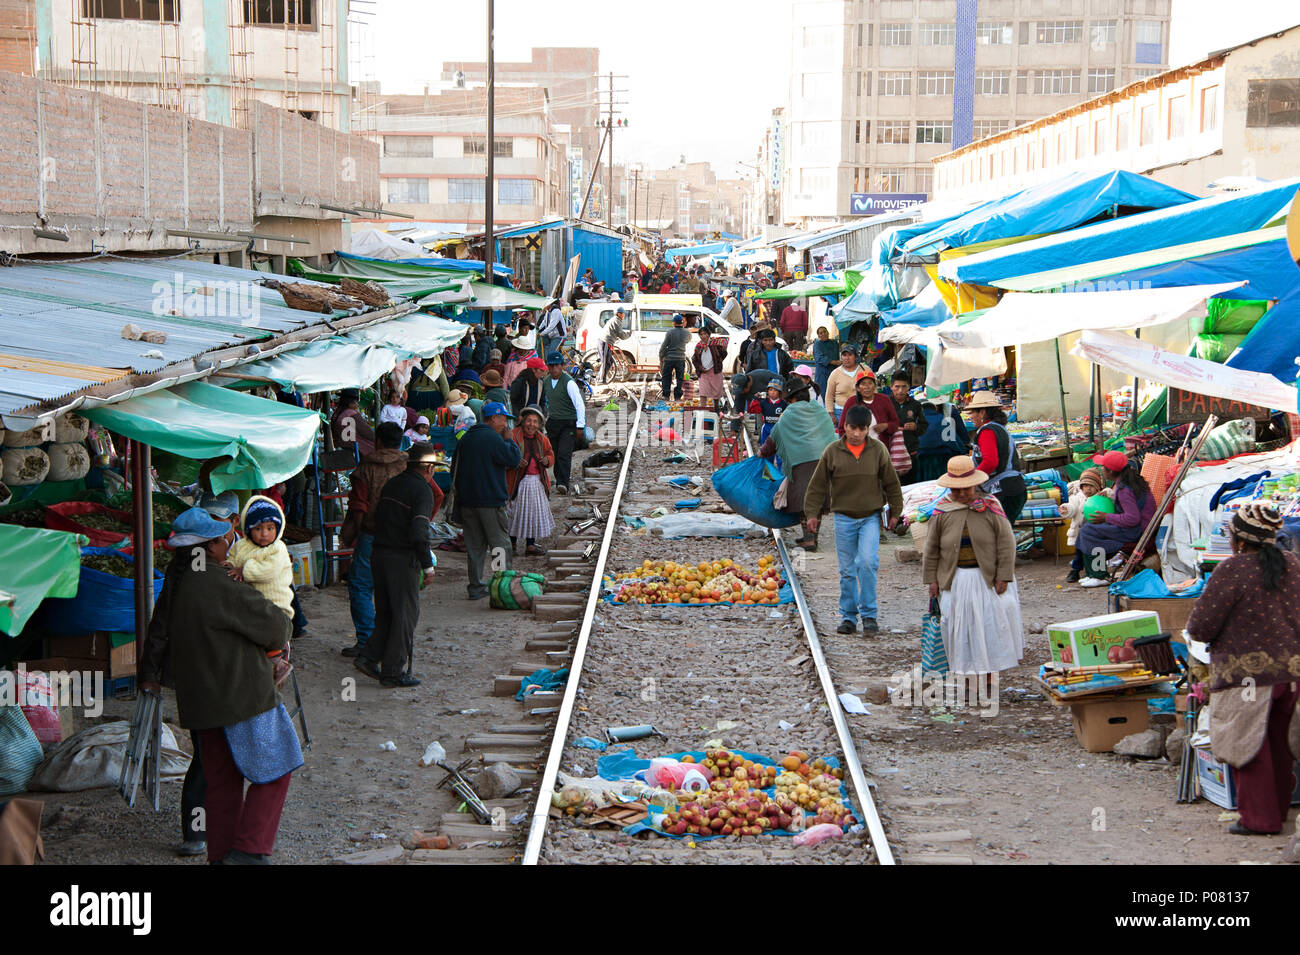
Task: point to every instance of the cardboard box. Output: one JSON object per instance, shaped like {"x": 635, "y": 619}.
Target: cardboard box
{"x": 1098, "y": 726}
{"x": 1172, "y": 611}
{"x": 1218, "y": 780}
{"x": 111, "y": 653}
{"x": 1086, "y": 642}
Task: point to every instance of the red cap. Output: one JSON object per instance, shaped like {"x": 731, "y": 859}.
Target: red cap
{"x": 536, "y": 364}
{"x": 1111, "y": 460}
{"x": 866, "y": 373}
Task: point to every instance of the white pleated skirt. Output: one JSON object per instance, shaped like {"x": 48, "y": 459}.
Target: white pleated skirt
{"x": 981, "y": 631}
{"x": 529, "y": 514}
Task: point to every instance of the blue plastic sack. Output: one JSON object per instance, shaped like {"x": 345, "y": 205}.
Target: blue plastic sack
{"x": 103, "y": 602}
{"x": 748, "y": 491}
{"x": 1148, "y": 585}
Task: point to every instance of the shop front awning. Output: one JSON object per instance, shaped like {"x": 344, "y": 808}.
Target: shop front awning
{"x": 266, "y": 441}
{"x": 1021, "y": 318}
{"x": 1146, "y": 360}
{"x": 34, "y": 564}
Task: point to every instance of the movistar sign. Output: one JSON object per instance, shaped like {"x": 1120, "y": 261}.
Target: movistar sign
{"x": 874, "y": 203}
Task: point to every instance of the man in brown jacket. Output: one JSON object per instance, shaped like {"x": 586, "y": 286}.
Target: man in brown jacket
{"x": 358, "y": 531}
{"x": 857, "y": 479}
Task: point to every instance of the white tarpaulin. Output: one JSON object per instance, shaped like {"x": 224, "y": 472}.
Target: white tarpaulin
{"x": 948, "y": 366}
{"x": 374, "y": 244}
{"x": 1145, "y": 360}
{"x": 1024, "y": 317}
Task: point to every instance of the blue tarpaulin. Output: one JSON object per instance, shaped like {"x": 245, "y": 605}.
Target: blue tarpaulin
{"x": 878, "y": 289}
{"x": 1050, "y": 207}
{"x": 698, "y": 251}
{"x": 927, "y": 309}
{"x": 1274, "y": 343}
{"x": 1206, "y": 218}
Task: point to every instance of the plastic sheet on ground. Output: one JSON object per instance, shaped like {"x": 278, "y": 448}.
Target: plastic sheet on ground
{"x": 1147, "y": 585}
{"x": 676, "y": 526}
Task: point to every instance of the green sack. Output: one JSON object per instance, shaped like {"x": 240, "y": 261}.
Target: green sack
{"x": 1217, "y": 347}
{"x": 514, "y": 590}
{"x": 1225, "y": 316}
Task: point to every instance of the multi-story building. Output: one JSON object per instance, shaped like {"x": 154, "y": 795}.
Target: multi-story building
{"x": 570, "y": 76}
{"x": 433, "y": 157}
{"x": 211, "y": 60}
{"x": 689, "y": 201}
{"x": 879, "y": 88}
{"x": 1234, "y": 114}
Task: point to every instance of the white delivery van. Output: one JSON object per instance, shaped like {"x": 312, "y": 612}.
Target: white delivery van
{"x": 649, "y": 317}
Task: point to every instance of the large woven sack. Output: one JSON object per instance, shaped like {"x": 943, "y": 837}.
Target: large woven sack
{"x": 20, "y": 751}
{"x": 68, "y": 461}
{"x": 24, "y": 467}
{"x": 1229, "y": 439}
{"x": 514, "y": 589}
{"x": 1157, "y": 470}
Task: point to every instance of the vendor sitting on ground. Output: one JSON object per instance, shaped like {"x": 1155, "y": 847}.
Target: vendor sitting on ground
{"x": 970, "y": 565}
{"x": 1249, "y": 614}
{"x": 1107, "y": 534}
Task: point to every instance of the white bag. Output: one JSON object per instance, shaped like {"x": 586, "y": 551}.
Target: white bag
{"x": 68, "y": 462}
{"x": 92, "y": 759}
{"x": 70, "y": 427}
{"x": 24, "y": 467}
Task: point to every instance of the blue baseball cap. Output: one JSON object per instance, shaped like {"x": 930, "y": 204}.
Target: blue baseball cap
{"x": 221, "y": 506}
{"x": 491, "y": 408}
{"x": 555, "y": 358}
{"x": 196, "y": 526}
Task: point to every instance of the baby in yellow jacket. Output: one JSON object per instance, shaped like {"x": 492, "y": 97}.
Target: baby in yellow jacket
{"x": 260, "y": 557}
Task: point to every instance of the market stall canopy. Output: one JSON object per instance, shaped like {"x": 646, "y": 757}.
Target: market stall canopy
{"x": 449, "y": 286}
{"x": 495, "y": 297}
{"x": 925, "y": 310}
{"x": 1274, "y": 343}
{"x": 1204, "y": 219}
{"x": 840, "y": 284}
{"x": 429, "y": 262}
{"x": 1050, "y": 207}
{"x": 752, "y": 257}
{"x": 695, "y": 251}
{"x": 1146, "y": 360}
{"x": 374, "y": 244}
{"x": 328, "y": 365}
{"x": 411, "y": 336}
{"x": 267, "y": 441}
{"x": 34, "y": 564}
{"x": 1024, "y": 317}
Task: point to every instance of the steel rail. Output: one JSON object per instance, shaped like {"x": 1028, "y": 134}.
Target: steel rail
{"x": 541, "y": 812}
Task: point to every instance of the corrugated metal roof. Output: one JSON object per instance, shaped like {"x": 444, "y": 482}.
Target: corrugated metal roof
{"x": 74, "y": 313}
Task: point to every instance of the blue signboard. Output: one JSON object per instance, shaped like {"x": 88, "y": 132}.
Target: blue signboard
{"x": 874, "y": 203}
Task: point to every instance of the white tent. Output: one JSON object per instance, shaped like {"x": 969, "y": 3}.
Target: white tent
{"x": 374, "y": 244}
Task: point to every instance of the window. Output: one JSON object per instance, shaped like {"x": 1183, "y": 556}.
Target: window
{"x": 896, "y": 34}
{"x": 515, "y": 192}
{"x": 1176, "y": 123}
{"x": 1209, "y": 108}
{"x": 992, "y": 32}
{"x": 1147, "y": 134}
{"x": 1142, "y": 73}
{"x": 818, "y": 86}
{"x": 478, "y": 147}
{"x": 463, "y": 191}
{"x": 888, "y": 180}
{"x": 421, "y": 146}
{"x": 1101, "y": 80}
{"x": 1022, "y": 81}
{"x": 993, "y": 82}
{"x": 934, "y": 82}
{"x": 984, "y": 128}
{"x": 1149, "y": 48}
{"x": 933, "y": 131}
{"x": 1121, "y": 132}
{"x": 1060, "y": 31}
{"x": 132, "y": 10}
{"x": 924, "y": 180}
{"x": 1060, "y": 148}
{"x": 938, "y": 34}
{"x": 1024, "y": 32}
{"x": 895, "y": 83}
{"x": 1053, "y": 82}
{"x": 412, "y": 190}
{"x": 656, "y": 320}
{"x": 1273, "y": 103}
{"x": 1099, "y": 138}
{"x": 893, "y": 131}
{"x": 1102, "y": 33}
{"x": 815, "y": 180}
{"x": 864, "y": 84}
{"x": 279, "y": 12}
{"x": 1148, "y": 31}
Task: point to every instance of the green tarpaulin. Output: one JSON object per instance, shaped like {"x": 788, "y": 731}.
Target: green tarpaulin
{"x": 448, "y": 287}
{"x": 367, "y": 269}
{"x": 814, "y": 287}
{"x": 35, "y": 564}
{"x": 413, "y": 336}
{"x": 327, "y": 365}
{"x": 267, "y": 441}
{"x": 495, "y": 297}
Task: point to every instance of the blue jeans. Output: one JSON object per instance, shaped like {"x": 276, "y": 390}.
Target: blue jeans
{"x": 361, "y": 588}
{"x": 857, "y": 550}
{"x": 821, "y": 375}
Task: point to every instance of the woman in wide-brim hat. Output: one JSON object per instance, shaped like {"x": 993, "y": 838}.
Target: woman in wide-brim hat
{"x": 525, "y": 347}
{"x": 529, "y": 510}
{"x": 970, "y": 563}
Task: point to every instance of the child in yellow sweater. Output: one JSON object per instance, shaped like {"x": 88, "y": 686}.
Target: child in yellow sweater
{"x": 260, "y": 557}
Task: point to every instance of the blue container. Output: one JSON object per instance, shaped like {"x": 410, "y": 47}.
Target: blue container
{"x": 103, "y": 602}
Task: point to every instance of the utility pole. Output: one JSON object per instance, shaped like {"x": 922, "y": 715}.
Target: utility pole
{"x": 636, "y": 187}
{"x": 489, "y": 244}
{"x": 609, "y": 163}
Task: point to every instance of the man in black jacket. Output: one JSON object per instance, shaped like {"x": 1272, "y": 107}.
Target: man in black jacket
{"x": 483, "y": 455}
{"x": 911, "y": 417}
{"x": 402, "y": 562}
{"x": 767, "y": 355}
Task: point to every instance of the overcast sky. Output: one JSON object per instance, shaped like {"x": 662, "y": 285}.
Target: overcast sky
{"x": 702, "y": 75}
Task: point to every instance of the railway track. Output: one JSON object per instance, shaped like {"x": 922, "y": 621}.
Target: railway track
{"x": 753, "y": 678}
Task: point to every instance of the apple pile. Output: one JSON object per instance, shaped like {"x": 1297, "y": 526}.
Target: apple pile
{"x": 731, "y": 771}
{"x": 719, "y": 581}
{"x": 728, "y": 814}
{"x": 797, "y": 762}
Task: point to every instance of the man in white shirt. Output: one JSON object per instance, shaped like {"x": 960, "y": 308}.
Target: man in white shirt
{"x": 553, "y": 328}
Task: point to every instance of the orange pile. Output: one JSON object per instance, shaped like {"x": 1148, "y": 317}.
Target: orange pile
{"x": 708, "y": 582}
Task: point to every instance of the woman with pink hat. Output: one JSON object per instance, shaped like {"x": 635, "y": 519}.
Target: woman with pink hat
{"x": 970, "y": 565}
{"x": 1106, "y": 534}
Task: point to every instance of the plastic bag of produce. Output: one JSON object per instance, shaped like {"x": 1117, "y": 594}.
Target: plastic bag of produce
{"x": 105, "y": 596}
{"x": 24, "y": 467}
{"x": 1228, "y": 440}
{"x": 748, "y": 491}
{"x": 1217, "y": 348}
{"x": 104, "y": 526}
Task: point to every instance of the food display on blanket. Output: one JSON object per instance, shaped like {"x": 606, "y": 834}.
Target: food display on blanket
{"x": 706, "y": 582}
